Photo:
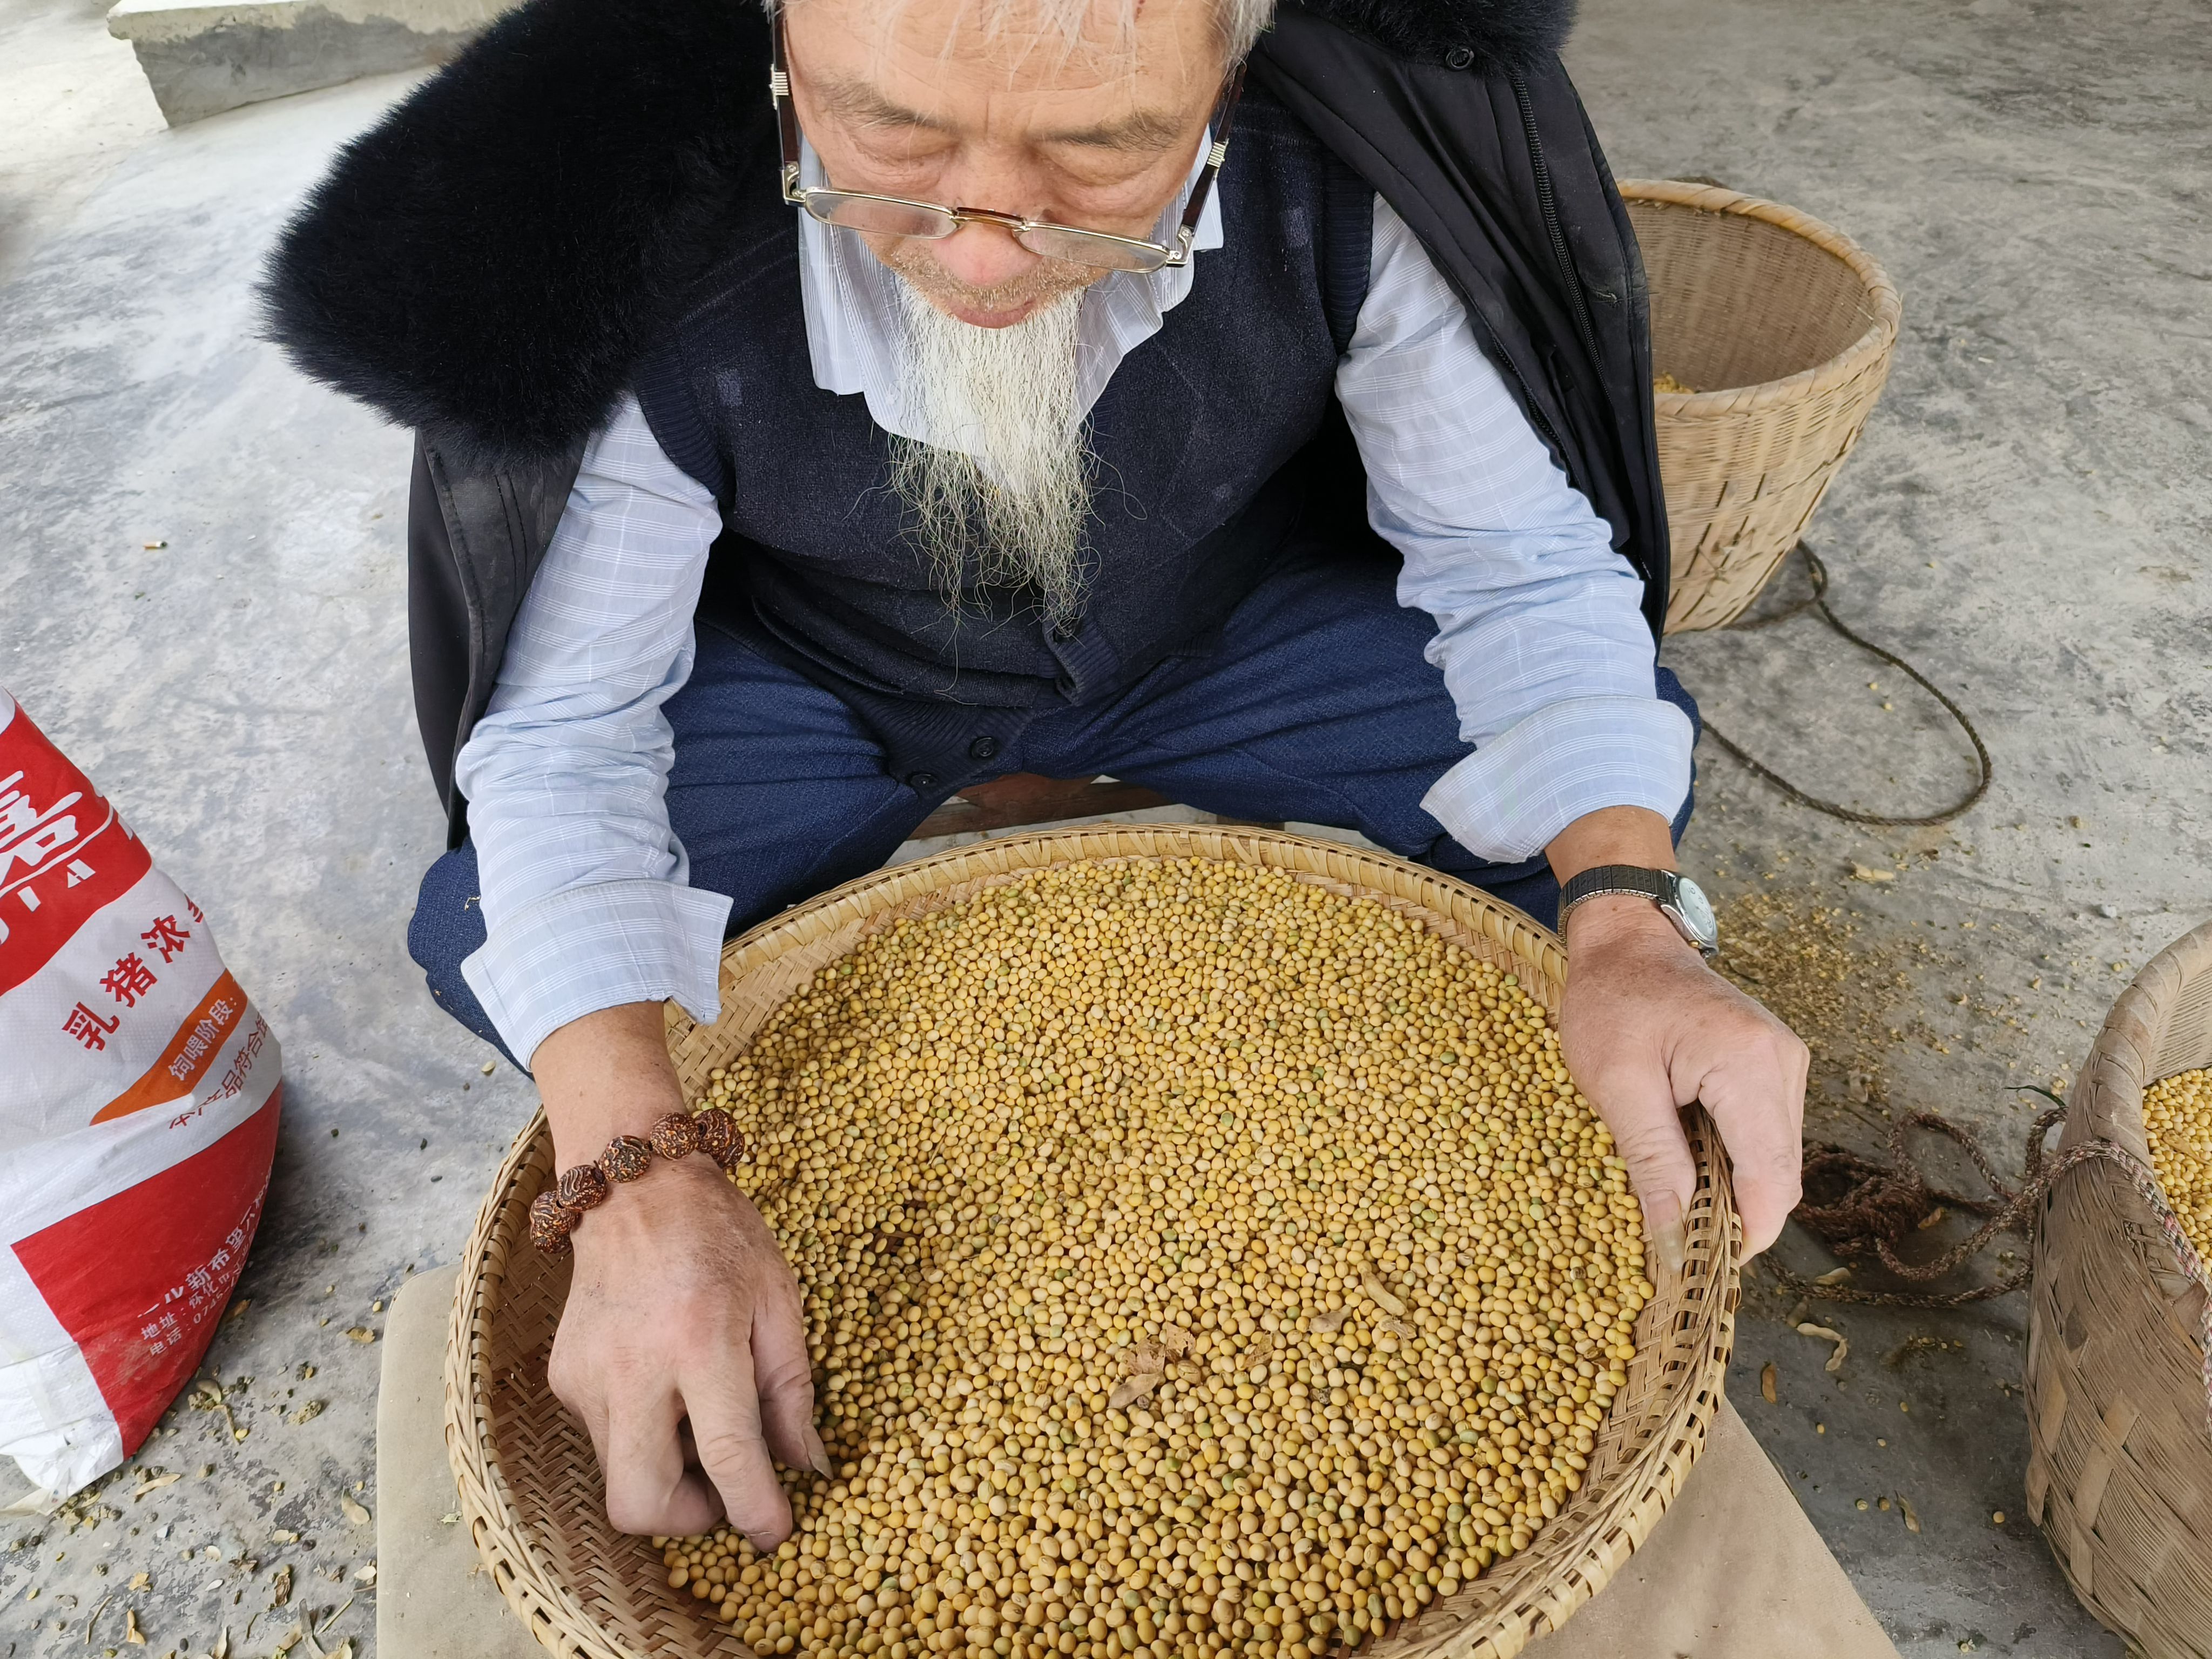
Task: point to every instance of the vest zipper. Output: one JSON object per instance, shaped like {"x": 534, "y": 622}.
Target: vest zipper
{"x": 1547, "y": 205}
{"x": 1529, "y": 406}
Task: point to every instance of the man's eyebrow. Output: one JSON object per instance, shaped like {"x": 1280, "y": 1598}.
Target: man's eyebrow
{"x": 856, "y": 100}
{"x": 1145, "y": 131}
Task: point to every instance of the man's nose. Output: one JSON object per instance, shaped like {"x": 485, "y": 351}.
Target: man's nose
{"x": 983, "y": 256}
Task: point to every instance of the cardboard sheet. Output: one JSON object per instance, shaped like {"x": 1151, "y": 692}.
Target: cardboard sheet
{"x": 1734, "y": 1571}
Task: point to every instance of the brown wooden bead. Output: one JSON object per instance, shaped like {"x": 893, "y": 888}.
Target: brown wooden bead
{"x": 550, "y": 1223}
{"x": 675, "y": 1136}
{"x": 584, "y": 1187}
{"x": 719, "y": 1137}
{"x": 626, "y": 1157}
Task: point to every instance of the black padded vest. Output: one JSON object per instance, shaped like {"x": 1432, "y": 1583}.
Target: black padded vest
{"x": 1193, "y": 436}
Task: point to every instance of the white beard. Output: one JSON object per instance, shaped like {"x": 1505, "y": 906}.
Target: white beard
{"x": 1000, "y": 497}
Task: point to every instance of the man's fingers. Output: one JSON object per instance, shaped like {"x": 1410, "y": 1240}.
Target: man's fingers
{"x": 1637, "y": 1105}
{"x": 786, "y": 1383}
{"x": 1759, "y": 1104}
{"x": 756, "y": 1398}
{"x": 649, "y": 1490}
{"x": 725, "y": 1426}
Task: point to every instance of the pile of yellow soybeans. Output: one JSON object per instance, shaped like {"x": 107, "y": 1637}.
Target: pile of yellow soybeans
{"x": 2178, "y": 1120}
{"x": 1196, "y": 1261}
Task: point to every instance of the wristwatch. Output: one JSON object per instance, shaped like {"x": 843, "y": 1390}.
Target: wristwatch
{"x": 1681, "y": 900}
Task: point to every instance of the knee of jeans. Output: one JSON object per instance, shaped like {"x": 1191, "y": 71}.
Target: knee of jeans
{"x": 1671, "y": 690}
{"x": 447, "y": 925}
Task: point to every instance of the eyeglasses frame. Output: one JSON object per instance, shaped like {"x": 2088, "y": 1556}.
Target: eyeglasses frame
{"x": 1168, "y": 258}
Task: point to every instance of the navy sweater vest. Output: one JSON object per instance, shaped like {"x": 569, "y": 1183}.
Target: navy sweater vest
{"x": 1196, "y": 436}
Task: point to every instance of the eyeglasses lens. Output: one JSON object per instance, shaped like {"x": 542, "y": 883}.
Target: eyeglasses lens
{"x": 1085, "y": 248}
{"x": 878, "y": 216}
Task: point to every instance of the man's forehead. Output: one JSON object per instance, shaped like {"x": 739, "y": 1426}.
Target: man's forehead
{"x": 1004, "y": 66}
{"x": 1030, "y": 36}
{"x": 1137, "y": 129}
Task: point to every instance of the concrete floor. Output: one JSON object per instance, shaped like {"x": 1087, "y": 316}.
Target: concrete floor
{"x": 2024, "y": 517}
{"x": 72, "y": 106}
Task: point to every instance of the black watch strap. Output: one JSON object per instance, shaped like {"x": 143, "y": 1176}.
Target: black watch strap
{"x": 1680, "y": 900}
{"x": 1653, "y": 885}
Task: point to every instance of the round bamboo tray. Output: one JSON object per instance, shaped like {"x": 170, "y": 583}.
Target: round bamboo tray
{"x": 1786, "y": 327}
{"x": 530, "y": 1486}
{"x": 2119, "y": 1471}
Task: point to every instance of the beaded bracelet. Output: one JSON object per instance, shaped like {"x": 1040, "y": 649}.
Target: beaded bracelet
{"x": 555, "y": 1212}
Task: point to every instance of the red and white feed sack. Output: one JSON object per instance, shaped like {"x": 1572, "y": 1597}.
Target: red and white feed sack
{"x": 138, "y": 1100}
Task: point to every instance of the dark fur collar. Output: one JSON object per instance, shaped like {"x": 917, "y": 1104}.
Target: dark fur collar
{"x": 489, "y": 262}
{"x": 1496, "y": 31}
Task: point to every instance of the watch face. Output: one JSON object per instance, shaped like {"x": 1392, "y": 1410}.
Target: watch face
{"x": 1696, "y": 909}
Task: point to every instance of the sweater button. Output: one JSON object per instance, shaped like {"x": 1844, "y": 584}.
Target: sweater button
{"x": 1459, "y": 57}
{"x": 983, "y": 748}
{"x": 922, "y": 782}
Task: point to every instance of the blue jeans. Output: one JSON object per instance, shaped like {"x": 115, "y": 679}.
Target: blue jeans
{"x": 1313, "y": 704}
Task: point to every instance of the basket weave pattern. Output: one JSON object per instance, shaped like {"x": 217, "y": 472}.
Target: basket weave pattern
{"x": 1787, "y": 328}
{"x": 530, "y": 1486}
{"x": 2120, "y": 1457}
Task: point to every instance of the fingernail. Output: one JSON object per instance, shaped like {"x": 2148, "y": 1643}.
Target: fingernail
{"x": 1668, "y": 1232}
{"x": 817, "y": 1455}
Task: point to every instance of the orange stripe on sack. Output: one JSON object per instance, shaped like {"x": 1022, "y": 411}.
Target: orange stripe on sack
{"x": 196, "y": 1042}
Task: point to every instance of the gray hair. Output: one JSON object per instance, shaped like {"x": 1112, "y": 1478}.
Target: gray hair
{"x": 1241, "y": 22}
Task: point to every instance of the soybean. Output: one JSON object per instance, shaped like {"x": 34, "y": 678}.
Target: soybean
{"x": 2177, "y": 1122}
{"x": 1197, "y": 1261}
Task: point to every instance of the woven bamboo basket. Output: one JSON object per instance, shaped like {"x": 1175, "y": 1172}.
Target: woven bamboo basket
{"x": 1786, "y": 327}
{"x": 2119, "y": 1471}
{"x": 530, "y": 1487}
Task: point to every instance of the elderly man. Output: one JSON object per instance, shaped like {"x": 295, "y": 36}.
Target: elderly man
{"x": 823, "y": 410}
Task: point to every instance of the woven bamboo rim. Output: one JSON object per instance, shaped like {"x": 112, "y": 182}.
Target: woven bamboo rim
{"x": 530, "y": 1488}
{"x": 1742, "y": 288}
{"x": 2119, "y": 1470}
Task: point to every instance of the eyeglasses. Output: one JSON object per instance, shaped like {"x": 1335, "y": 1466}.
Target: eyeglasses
{"x": 894, "y": 215}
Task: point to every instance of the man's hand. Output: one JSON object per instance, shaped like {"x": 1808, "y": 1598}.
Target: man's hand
{"x": 1647, "y": 1028}
{"x": 682, "y": 1347}
{"x": 681, "y": 1308}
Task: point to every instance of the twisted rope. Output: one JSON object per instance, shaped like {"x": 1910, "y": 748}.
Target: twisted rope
{"x": 1861, "y": 1208}
{"x": 1818, "y": 600}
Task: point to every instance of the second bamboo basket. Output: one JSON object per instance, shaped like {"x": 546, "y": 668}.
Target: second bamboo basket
{"x": 2119, "y": 1469}
{"x": 1786, "y": 327}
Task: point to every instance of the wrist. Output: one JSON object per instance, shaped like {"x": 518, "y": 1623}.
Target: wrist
{"x": 1612, "y": 918}
{"x": 583, "y": 1129}
{"x": 671, "y": 1191}
{"x": 1611, "y": 835}
{"x": 603, "y": 1075}
{"x": 584, "y": 1188}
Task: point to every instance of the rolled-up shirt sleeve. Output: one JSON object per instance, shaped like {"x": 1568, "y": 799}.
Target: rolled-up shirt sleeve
{"x": 1540, "y": 631}
{"x": 586, "y": 888}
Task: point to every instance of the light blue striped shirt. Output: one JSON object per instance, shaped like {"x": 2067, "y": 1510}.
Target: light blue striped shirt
{"x": 1539, "y": 635}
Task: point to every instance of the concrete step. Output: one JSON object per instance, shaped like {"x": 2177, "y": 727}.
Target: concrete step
{"x": 202, "y": 59}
